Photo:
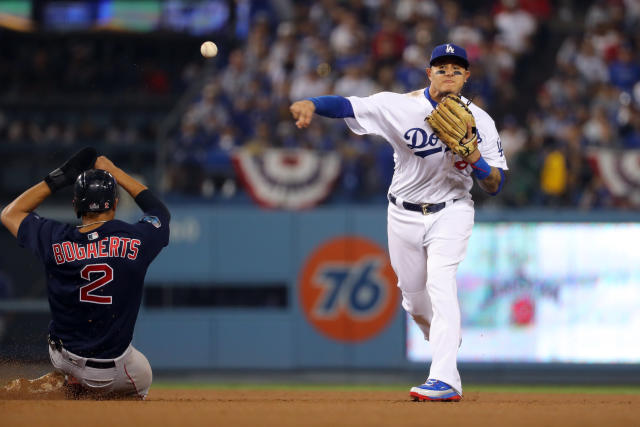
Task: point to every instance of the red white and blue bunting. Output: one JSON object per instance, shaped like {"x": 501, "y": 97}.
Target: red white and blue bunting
{"x": 287, "y": 178}
{"x": 620, "y": 172}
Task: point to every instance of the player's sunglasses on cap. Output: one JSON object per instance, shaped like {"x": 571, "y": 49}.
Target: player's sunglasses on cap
{"x": 449, "y": 50}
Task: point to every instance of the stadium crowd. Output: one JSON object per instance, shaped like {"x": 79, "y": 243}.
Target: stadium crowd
{"x": 44, "y": 74}
{"x": 64, "y": 90}
{"x": 590, "y": 100}
{"x": 549, "y": 110}
{"x": 560, "y": 78}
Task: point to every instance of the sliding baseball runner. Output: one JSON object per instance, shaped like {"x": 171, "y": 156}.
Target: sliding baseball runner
{"x": 95, "y": 273}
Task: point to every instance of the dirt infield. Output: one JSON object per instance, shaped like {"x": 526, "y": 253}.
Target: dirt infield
{"x": 190, "y": 407}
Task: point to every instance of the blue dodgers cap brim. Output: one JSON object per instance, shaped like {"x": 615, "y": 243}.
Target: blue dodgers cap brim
{"x": 449, "y": 50}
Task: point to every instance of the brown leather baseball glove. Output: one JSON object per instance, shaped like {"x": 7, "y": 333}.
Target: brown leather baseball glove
{"x": 449, "y": 121}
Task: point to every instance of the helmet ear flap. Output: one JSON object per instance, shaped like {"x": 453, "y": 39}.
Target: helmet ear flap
{"x": 75, "y": 208}
{"x": 77, "y": 190}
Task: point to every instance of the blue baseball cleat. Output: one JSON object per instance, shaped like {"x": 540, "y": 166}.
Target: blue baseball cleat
{"x": 434, "y": 390}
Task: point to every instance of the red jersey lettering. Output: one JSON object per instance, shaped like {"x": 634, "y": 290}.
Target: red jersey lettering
{"x": 92, "y": 250}
{"x": 114, "y": 247}
{"x": 57, "y": 253}
{"x": 134, "y": 249}
{"x": 81, "y": 252}
{"x": 125, "y": 246}
{"x": 102, "y": 248}
{"x": 114, "y": 242}
{"x": 67, "y": 249}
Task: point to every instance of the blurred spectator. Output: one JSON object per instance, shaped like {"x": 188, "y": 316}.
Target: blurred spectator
{"x": 554, "y": 176}
{"x": 415, "y": 10}
{"x": 386, "y": 82}
{"x": 516, "y": 26}
{"x": 282, "y": 52}
{"x": 632, "y": 138}
{"x": 346, "y": 37}
{"x": 309, "y": 84}
{"x": 597, "y": 14}
{"x": 512, "y": 136}
{"x": 524, "y": 169}
{"x": 591, "y": 67}
{"x": 469, "y": 35}
{"x": 410, "y": 73}
{"x": 236, "y": 77}
{"x": 211, "y": 105}
{"x": 355, "y": 82}
{"x": 597, "y": 130}
{"x": 624, "y": 72}
{"x": 631, "y": 14}
{"x": 596, "y": 196}
{"x": 188, "y": 156}
{"x": 388, "y": 43}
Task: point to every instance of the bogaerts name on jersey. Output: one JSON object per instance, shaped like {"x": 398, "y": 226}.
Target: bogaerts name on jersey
{"x": 109, "y": 247}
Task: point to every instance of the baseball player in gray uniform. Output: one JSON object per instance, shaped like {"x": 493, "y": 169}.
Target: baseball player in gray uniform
{"x": 430, "y": 213}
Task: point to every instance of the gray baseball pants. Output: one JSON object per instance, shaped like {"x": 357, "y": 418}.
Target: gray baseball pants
{"x": 129, "y": 374}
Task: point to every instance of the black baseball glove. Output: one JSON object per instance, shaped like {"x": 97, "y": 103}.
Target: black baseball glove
{"x": 67, "y": 173}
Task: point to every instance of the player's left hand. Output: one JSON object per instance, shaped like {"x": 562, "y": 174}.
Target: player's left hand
{"x": 67, "y": 173}
{"x": 455, "y": 126}
{"x": 104, "y": 163}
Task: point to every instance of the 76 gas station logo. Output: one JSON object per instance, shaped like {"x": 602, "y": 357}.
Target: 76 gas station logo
{"x": 348, "y": 289}
{"x": 355, "y": 288}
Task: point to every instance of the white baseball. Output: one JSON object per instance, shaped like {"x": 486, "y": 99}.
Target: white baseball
{"x": 208, "y": 49}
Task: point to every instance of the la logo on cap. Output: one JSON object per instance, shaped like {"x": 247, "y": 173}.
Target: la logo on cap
{"x": 450, "y": 49}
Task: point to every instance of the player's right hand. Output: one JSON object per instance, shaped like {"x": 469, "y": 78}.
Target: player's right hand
{"x": 302, "y": 112}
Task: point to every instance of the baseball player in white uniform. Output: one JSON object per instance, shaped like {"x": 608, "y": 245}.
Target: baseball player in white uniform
{"x": 430, "y": 213}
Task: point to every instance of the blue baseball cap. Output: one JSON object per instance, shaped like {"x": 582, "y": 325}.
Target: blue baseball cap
{"x": 449, "y": 49}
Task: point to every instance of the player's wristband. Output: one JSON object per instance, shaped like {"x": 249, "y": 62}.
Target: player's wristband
{"x": 67, "y": 173}
{"x": 501, "y": 183}
{"x": 481, "y": 168}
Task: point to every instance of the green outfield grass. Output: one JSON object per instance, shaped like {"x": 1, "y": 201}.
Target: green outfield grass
{"x": 598, "y": 389}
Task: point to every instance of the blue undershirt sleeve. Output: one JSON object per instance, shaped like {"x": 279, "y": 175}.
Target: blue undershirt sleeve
{"x": 333, "y": 106}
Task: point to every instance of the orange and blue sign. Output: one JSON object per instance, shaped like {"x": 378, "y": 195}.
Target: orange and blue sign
{"x": 348, "y": 289}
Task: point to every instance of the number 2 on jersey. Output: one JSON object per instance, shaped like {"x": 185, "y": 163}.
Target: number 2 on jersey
{"x": 106, "y": 277}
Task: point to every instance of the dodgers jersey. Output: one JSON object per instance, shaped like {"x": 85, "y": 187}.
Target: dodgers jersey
{"x": 424, "y": 169}
{"x": 95, "y": 279}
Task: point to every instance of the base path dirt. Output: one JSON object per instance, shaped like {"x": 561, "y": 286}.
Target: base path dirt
{"x": 324, "y": 408}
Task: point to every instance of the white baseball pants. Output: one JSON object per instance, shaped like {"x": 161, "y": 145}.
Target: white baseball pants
{"x": 425, "y": 251}
{"x": 130, "y": 376}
